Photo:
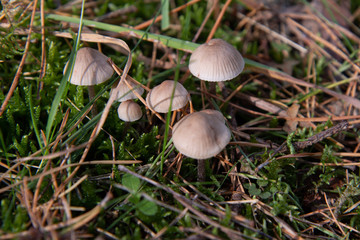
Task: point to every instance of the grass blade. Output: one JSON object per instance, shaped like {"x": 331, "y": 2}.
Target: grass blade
{"x": 165, "y": 22}
{"x": 64, "y": 81}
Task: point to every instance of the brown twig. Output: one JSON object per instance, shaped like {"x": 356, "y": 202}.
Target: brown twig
{"x": 158, "y": 18}
{"x": 22, "y": 63}
{"x": 309, "y": 142}
{"x": 218, "y": 20}
{"x": 322, "y": 135}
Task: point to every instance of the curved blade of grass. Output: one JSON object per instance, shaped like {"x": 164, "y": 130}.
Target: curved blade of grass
{"x": 62, "y": 90}
{"x": 83, "y": 130}
{"x": 168, "y": 41}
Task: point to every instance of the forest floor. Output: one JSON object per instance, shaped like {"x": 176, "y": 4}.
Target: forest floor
{"x": 71, "y": 169}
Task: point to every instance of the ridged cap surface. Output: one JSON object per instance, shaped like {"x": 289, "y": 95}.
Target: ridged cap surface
{"x": 129, "y": 111}
{"x": 90, "y": 68}
{"x": 201, "y": 135}
{"x": 160, "y": 96}
{"x": 216, "y": 61}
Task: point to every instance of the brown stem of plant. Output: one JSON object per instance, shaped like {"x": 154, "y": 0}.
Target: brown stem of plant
{"x": 43, "y": 49}
{"x": 216, "y": 25}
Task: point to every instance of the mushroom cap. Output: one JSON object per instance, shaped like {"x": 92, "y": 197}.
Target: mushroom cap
{"x": 125, "y": 93}
{"x": 216, "y": 61}
{"x": 160, "y": 96}
{"x": 129, "y": 111}
{"x": 90, "y": 68}
{"x": 201, "y": 135}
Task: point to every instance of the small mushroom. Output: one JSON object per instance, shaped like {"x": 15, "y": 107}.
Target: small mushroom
{"x": 201, "y": 135}
{"x": 159, "y": 97}
{"x": 216, "y": 61}
{"x": 129, "y": 111}
{"x": 125, "y": 93}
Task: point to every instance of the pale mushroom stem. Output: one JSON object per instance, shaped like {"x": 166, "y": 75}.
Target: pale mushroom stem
{"x": 201, "y": 170}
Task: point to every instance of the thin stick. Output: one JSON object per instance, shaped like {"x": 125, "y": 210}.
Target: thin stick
{"x": 97, "y": 162}
{"x": 21, "y": 65}
{"x": 157, "y": 19}
{"x": 43, "y": 47}
{"x": 274, "y": 34}
{"x": 326, "y": 43}
{"x": 332, "y": 214}
{"x": 216, "y": 25}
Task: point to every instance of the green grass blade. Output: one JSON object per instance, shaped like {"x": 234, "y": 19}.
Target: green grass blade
{"x": 3, "y": 145}
{"x": 168, "y": 41}
{"x": 83, "y": 130}
{"x": 165, "y": 21}
{"x": 64, "y": 81}
{"x": 37, "y": 133}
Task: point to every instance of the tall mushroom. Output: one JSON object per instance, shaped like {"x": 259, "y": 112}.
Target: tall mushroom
{"x": 216, "y": 61}
{"x": 201, "y": 135}
{"x": 90, "y": 68}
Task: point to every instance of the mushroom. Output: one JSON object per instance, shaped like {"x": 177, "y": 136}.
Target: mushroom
{"x": 216, "y": 61}
{"x": 90, "y": 68}
{"x": 201, "y": 135}
{"x": 159, "y": 98}
{"x": 125, "y": 93}
{"x": 129, "y": 111}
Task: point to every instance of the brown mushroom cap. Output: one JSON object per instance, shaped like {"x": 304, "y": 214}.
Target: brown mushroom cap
{"x": 216, "y": 61}
{"x": 90, "y": 68}
{"x": 125, "y": 93}
{"x": 201, "y": 135}
{"x": 159, "y": 97}
{"x": 129, "y": 111}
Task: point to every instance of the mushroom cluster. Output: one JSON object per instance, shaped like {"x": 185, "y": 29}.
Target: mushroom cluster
{"x": 199, "y": 135}
{"x": 204, "y": 134}
{"x": 92, "y": 68}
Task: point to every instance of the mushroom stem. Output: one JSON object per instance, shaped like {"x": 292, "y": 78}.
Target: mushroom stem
{"x": 201, "y": 170}
{"x": 91, "y": 91}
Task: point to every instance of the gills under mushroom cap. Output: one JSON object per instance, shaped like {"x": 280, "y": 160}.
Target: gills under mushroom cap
{"x": 159, "y": 97}
{"x": 90, "y": 68}
{"x": 216, "y": 61}
{"x": 201, "y": 135}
